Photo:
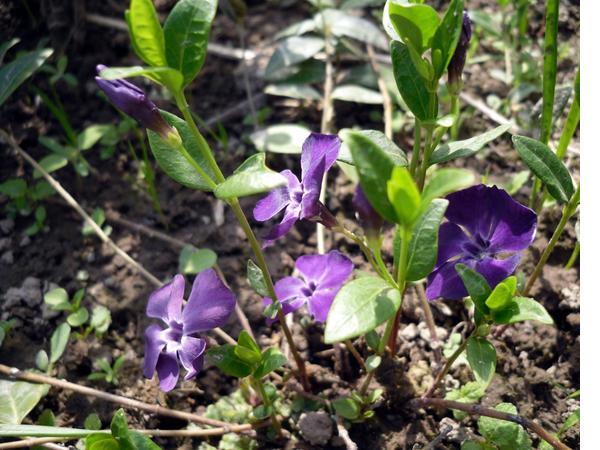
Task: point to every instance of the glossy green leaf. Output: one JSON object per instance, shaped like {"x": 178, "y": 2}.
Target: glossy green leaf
{"x": 118, "y": 425}
{"x": 404, "y": 196}
{"x": 138, "y": 441}
{"x": 186, "y": 36}
{"x": 56, "y": 297}
{"x": 357, "y": 94}
{"x": 17, "y": 399}
{"x": 91, "y": 135}
{"x": 101, "y": 319}
{"x": 41, "y": 359}
{"x": 446, "y": 181}
{"x": 414, "y": 23}
{"x": 50, "y": 163}
{"x": 446, "y": 37}
{"x": 271, "y": 360}
{"x": 13, "y": 188}
{"x": 173, "y": 162}
{"x": 520, "y": 309}
{"x": 17, "y": 430}
{"x": 389, "y": 147}
{"x": 146, "y": 33}
{"x": 504, "y": 434}
{"x": 101, "y": 441}
{"x": 251, "y": 177}
{"x": 78, "y": 318}
{"x": 375, "y": 168}
{"x": 477, "y": 287}
{"x": 92, "y": 422}
{"x": 372, "y": 362}
{"x": 287, "y": 138}
{"x": 411, "y": 85}
{"x": 547, "y": 167}
{"x": 13, "y": 74}
{"x": 481, "y": 355}
{"x": 359, "y": 307}
{"x": 344, "y": 25}
{"x": 502, "y": 294}
{"x": 167, "y": 76}
{"x": 469, "y": 393}
{"x": 347, "y": 408}
{"x": 293, "y": 50}
{"x": 468, "y": 147}
{"x": 423, "y": 247}
{"x": 262, "y": 412}
{"x": 226, "y": 360}
{"x": 193, "y": 260}
{"x": 257, "y": 279}
{"x": 58, "y": 341}
{"x": 293, "y": 90}
{"x": 246, "y": 349}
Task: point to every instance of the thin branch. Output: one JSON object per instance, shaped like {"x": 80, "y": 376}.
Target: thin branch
{"x": 126, "y": 402}
{"x": 350, "y": 346}
{"x": 115, "y": 217}
{"x": 30, "y": 442}
{"x": 479, "y": 410}
{"x": 437, "y": 353}
{"x": 99, "y": 232}
{"x": 387, "y": 100}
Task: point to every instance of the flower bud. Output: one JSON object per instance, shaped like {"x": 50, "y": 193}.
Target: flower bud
{"x": 457, "y": 63}
{"x": 133, "y": 101}
{"x": 368, "y": 218}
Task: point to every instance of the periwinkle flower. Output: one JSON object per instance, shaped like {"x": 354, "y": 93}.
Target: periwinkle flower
{"x": 133, "y": 101}
{"x": 300, "y": 199}
{"x": 209, "y": 305}
{"x": 457, "y": 62}
{"x": 322, "y": 278}
{"x": 487, "y": 231}
{"x": 369, "y": 219}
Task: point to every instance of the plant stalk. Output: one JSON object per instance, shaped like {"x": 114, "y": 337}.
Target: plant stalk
{"x": 267, "y": 402}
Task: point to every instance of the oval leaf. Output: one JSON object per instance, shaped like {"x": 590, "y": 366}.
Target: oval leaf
{"x": 58, "y": 341}
{"x": 252, "y": 177}
{"x": 17, "y": 399}
{"x": 520, "y": 309}
{"x": 445, "y": 181}
{"x": 286, "y": 138}
{"x": 13, "y": 74}
{"x": 173, "y": 163}
{"x": 390, "y": 148}
{"x": 468, "y": 147}
{"x": 404, "y": 195}
{"x": 166, "y": 76}
{"x": 481, "y": 355}
{"x": 359, "y": 307}
{"x": 548, "y": 168}
{"x": 193, "y": 260}
{"x": 224, "y": 358}
{"x": 272, "y": 359}
{"x": 446, "y": 37}
{"x": 145, "y": 32}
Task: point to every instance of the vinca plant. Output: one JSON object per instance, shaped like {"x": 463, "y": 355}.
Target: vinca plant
{"x": 426, "y": 229}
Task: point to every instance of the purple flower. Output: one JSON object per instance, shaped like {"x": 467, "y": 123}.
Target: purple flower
{"x": 486, "y": 230}
{"x": 300, "y": 200}
{"x": 322, "y": 278}
{"x": 133, "y": 101}
{"x": 209, "y": 305}
{"x": 457, "y": 62}
{"x": 368, "y": 218}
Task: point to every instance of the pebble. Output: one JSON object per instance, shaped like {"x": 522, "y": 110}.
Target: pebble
{"x": 25, "y": 241}
{"x": 316, "y": 427}
{"x": 30, "y": 293}
{"x": 7, "y": 225}
{"x": 409, "y": 332}
{"x": 7, "y": 258}
{"x": 4, "y": 244}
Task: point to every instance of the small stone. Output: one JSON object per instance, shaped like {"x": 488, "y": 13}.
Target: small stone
{"x": 7, "y": 258}
{"x": 25, "y": 241}
{"x": 4, "y": 244}
{"x": 316, "y": 427}
{"x": 32, "y": 291}
{"x": 409, "y": 332}
{"x": 7, "y": 225}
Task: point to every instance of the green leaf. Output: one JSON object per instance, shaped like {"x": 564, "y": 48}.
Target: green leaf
{"x": 101, "y": 441}
{"x": 286, "y": 138}
{"x": 341, "y": 24}
{"x": 390, "y": 148}
{"x": 357, "y": 94}
{"x": 468, "y": 147}
{"x": 173, "y": 162}
{"x": 256, "y": 279}
{"x": 16, "y": 430}
{"x": 520, "y": 309}
{"x": 251, "y": 177}
{"x": 118, "y": 425}
{"x": 56, "y": 297}
{"x": 14, "y": 188}
{"x": 469, "y": 393}
{"x": 262, "y": 412}
{"x": 186, "y": 36}
{"x": 17, "y": 399}
{"x": 359, "y": 307}
{"x": 92, "y": 422}
{"x": 293, "y": 90}
{"x": 375, "y": 168}
{"x": 246, "y": 349}
{"x": 272, "y": 359}
{"x": 193, "y": 260}
{"x": 504, "y": 434}
{"x": 502, "y": 294}
{"x": 477, "y": 287}
{"x": 78, "y": 318}
{"x": 91, "y": 135}
{"x": 41, "y": 360}
{"x": 13, "y": 74}
{"x": 411, "y": 85}
{"x": 414, "y": 23}
{"x": 404, "y": 195}
{"x": 224, "y": 358}
{"x": 101, "y": 319}
{"x": 293, "y": 50}
{"x": 481, "y": 355}
{"x": 445, "y": 181}
{"x": 98, "y": 217}
{"x": 166, "y": 76}
{"x": 139, "y": 441}
{"x": 423, "y": 247}
{"x": 544, "y": 163}
{"x": 145, "y": 32}
{"x": 446, "y": 37}
{"x": 347, "y": 408}
{"x": 550, "y": 68}
{"x": 58, "y": 341}
{"x": 50, "y": 163}
{"x": 571, "y": 421}
{"x": 372, "y": 362}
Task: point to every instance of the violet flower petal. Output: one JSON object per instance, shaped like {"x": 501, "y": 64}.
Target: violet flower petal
{"x": 290, "y": 293}
{"x": 165, "y": 303}
{"x": 191, "y": 355}
{"x": 209, "y": 305}
{"x": 517, "y": 231}
{"x": 290, "y": 217}
{"x": 311, "y": 183}
{"x": 325, "y": 271}
{"x": 451, "y": 241}
{"x": 369, "y": 219}
{"x": 317, "y": 147}
{"x": 277, "y": 199}
{"x": 446, "y": 283}
{"x": 495, "y": 270}
{"x": 167, "y": 370}
{"x": 154, "y": 345}
{"x": 319, "y": 304}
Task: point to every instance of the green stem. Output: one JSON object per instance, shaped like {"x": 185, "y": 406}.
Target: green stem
{"x": 568, "y": 130}
{"x": 405, "y": 236}
{"x": 455, "y": 110}
{"x": 414, "y": 159}
{"x": 426, "y": 155}
{"x": 573, "y": 257}
{"x": 568, "y": 212}
{"x": 267, "y": 402}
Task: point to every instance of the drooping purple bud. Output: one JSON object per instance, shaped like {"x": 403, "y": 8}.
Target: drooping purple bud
{"x": 368, "y": 218}
{"x": 457, "y": 63}
{"x": 133, "y": 101}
